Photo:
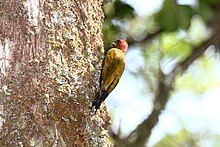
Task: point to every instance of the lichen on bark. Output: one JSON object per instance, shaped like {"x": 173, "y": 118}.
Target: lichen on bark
{"x": 51, "y": 53}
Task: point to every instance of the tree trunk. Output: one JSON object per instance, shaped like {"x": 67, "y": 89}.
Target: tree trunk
{"x": 50, "y": 58}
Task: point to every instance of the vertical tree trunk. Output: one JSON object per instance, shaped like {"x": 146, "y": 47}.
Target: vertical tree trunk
{"x": 50, "y": 55}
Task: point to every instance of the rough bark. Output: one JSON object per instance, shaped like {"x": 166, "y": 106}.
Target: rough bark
{"x": 50, "y": 55}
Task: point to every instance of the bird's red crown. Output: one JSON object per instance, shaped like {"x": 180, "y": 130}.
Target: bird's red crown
{"x": 120, "y": 44}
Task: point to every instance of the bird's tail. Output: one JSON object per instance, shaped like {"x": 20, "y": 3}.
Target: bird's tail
{"x": 99, "y": 98}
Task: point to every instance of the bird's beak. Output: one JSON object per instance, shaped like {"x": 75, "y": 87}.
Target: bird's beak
{"x": 113, "y": 44}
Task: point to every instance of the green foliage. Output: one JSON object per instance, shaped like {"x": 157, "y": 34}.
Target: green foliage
{"x": 174, "y": 46}
{"x": 185, "y": 138}
{"x": 205, "y": 10}
{"x": 181, "y": 139}
{"x": 119, "y": 10}
{"x": 198, "y": 32}
{"x": 123, "y": 10}
{"x": 117, "y": 13}
{"x": 200, "y": 77}
{"x": 173, "y": 16}
{"x": 110, "y": 32}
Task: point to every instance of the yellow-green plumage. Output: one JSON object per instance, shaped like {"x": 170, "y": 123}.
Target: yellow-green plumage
{"x": 112, "y": 70}
{"x": 113, "y": 67}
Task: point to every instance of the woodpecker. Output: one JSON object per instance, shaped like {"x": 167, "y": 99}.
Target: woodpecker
{"x": 112, "y": 68}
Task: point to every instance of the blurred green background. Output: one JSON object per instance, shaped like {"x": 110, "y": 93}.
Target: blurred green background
{"x": 161, "y": 34}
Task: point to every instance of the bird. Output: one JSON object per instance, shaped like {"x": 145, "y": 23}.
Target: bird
{"x": 112, "y": 69}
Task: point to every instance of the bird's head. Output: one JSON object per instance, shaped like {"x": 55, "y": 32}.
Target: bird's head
{"x": 120, "y": 44}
